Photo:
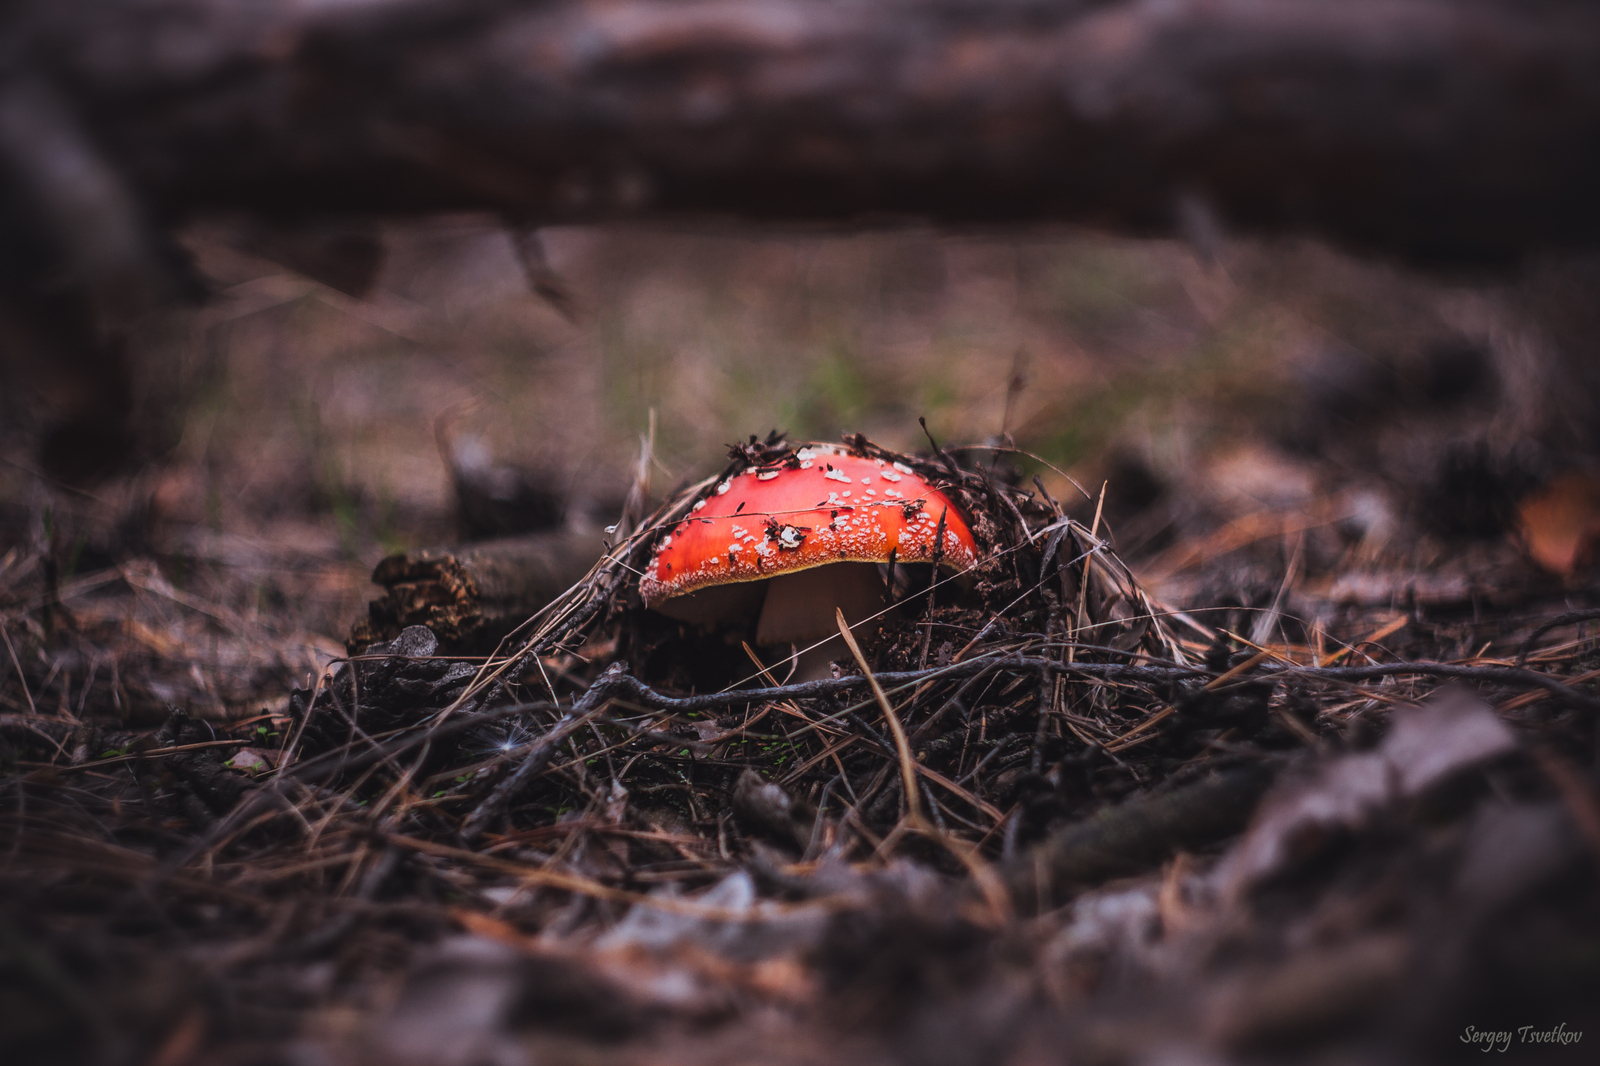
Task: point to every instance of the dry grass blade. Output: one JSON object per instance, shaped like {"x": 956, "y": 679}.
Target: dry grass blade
{"x": 908, "y": 773}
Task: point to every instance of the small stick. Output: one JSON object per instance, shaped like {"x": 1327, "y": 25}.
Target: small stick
{"x": 1376, "y": 635}
{"x": 534, "y": 763}
{"x": 1046, "y": 687}
{"x": 944, "y": 457}
{"x": 1555, "y": 623}
{"x": 1212, "y": 685}
{"x": 1244, "y": 667}
{"x": 933, "y": 719}
{"x": 201, "y": 745}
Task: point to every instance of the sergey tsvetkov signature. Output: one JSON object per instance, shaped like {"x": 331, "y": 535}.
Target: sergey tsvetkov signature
{"x": 1527, "y": 1034}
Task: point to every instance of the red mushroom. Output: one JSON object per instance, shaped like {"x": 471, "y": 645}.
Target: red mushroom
{"x": 799, "y": 539}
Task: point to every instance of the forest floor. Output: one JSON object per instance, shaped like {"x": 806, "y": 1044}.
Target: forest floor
{"x": 1276, "y": 741}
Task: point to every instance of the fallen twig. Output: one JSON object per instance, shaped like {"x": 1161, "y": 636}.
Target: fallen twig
{"x": 1570, "y": 618}
{"x": 1138, "y": 834}
{"x": 534, "y": 762}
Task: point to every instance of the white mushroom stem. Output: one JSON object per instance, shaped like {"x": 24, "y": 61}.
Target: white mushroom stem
{"x": 799, "y": 610}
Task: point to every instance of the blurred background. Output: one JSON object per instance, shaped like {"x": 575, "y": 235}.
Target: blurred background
{"x": 1197, "y": 386}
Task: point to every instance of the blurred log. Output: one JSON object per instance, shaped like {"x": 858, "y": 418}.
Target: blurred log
{"x": 472, "y": 596}
{"x": 1431, "y": 129}
{"x": 1137, "y": 835}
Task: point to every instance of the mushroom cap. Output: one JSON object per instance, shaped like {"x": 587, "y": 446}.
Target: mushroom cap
{"x": 822, "y": 506}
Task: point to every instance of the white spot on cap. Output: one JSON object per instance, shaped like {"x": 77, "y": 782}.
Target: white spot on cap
{"x": 890, "y": 475}
{"x": 805, "y": 465}
{"x": 903, "y": 468}
{"x": 805, "y": 453}
{"x": 724, "y": 487}
{"x": 837, "y": 475}
{"x": 766, "y": 475}
{"x": 699, "y": 504}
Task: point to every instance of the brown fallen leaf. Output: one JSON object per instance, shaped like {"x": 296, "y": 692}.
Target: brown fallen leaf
{"x": 1561, "y": 522}
{"x": 1425, "y": 745}
{"x": 253, "y": 761}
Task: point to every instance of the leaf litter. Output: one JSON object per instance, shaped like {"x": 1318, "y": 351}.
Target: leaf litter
{"x": 1135, "y": 833}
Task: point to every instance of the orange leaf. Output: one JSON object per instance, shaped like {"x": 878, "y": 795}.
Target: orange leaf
{"x": 1561, "y": 521}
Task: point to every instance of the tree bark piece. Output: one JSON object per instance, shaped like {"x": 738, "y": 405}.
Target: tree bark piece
{"x": 472, "y": 596}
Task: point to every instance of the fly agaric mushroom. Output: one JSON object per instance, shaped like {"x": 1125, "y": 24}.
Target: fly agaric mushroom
{"x": 797, "y": 540}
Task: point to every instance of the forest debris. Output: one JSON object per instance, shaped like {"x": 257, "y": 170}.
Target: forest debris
{"x": 253, "y": 761}
{"x": 1560, "y": 522}
{"x": 767, "y": 807}
{"x": 901, "y": 747}
{"x": 465, "y": 999}
{"x": 472, "y": 596}
{"x": 1139, "y": 834}
{"x": 55, "y": 730}
{"x": 1258, "y": 525}
{"x": 1511, "y": 848}
{"x": 1565, "y": 619}
{"x": 1451, "y": 732}
{"x": 688, "y": 960}
{"x": 632, "y": 875}
{"x": 1425, "y": 745}
{"x": 753, "y": 928}
{"x": 539, "y": 755}
{"x": 1115, "y": 923}
{"x": 1435, "y": 587}
{"x": 495, "y": 499}
{"x": 1312, "y": 994}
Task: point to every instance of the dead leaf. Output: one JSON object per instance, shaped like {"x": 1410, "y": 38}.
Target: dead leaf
{"x": 253, "y": 761}
{"x": 1425, "y": 745}
{"x": 159, "y": 643}
{"x": 1560, "y": 523}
